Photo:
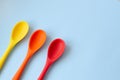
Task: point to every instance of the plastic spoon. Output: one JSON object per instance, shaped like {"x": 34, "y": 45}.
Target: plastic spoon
{"x": 55, "y": 50}
{"x": 36, "y": 42}
{"x": 19, "y": 32}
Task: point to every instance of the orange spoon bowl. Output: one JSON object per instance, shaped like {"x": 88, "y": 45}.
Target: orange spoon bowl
{"x": 37, "y": 40}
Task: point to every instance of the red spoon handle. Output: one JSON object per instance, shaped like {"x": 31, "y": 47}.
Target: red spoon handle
{"x": 44, "y": 71}
{"x": 21, "y": 69}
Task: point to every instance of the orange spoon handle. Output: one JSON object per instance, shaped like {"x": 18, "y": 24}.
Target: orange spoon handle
{"x": 41, "y": 77}
{"x": 21, "y": 69}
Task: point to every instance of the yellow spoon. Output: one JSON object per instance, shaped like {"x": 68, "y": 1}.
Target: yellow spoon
{"x": 19, "y": 32}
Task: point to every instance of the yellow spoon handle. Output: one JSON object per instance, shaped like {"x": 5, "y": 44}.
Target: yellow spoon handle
{"x": 5, "y": 55}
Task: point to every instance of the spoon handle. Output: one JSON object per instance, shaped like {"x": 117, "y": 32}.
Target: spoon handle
{"x": 21, "y": 69}
{"x": 44, "y": 70}
{"x": 5, "y": 55}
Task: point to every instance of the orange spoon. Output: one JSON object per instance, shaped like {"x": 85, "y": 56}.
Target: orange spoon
{"x": 55, "y": 51}
{"x": 36, "y": 42}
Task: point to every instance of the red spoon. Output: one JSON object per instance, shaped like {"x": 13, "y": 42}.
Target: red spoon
{"x": 55, "y": 51}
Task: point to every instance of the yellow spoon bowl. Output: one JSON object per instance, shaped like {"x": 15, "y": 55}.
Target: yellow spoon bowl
{"x": 18, "y": 33}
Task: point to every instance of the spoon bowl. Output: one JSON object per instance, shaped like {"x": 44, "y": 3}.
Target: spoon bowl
{"x": 37, "y": 40}
{"x": 56, "y": 49}
{"x": 19, "y": 31}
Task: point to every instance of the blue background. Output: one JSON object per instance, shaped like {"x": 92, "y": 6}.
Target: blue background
{"x": 91, "y": 29}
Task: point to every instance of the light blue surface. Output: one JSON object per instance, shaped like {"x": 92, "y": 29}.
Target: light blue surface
{"x": 91, "y": 29}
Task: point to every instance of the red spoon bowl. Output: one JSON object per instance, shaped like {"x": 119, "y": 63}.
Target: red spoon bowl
{"x": 56, "y": 49}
